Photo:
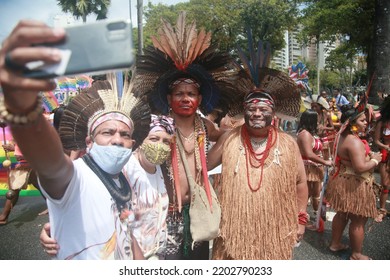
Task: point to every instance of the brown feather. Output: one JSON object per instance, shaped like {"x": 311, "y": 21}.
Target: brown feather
{"x": 201, "y": 43}
{"x": 181, "y": 34}
{"x": 168, "y": 33}
{"x": 191, "y": 33}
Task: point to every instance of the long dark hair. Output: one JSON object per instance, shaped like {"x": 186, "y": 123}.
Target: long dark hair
{"x": 347, "y": 111}
{"x": 308, "y": 121}
{"x": 385, "y": 110}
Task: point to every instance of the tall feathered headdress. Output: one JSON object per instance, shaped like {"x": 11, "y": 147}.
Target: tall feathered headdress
{"x": 103, "y": 98}
{"x": 183, "y": 52}
{"x": 282, "y": 89}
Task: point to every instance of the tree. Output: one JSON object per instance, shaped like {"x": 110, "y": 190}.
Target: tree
{"x": 364, "y": 24}
{"x": 330, "y": 80}
{"x": 83, "y": 8}
{"x": 379, "y": 66}
{"x": 227, "y": 20}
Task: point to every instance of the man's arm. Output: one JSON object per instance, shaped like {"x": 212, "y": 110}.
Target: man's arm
{"x": 213, "y": 131}
{"x": 214, "y": 156}
{"x": 38, "y": 140}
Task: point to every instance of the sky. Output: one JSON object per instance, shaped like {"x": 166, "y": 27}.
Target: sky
{"x": 11, "y": 11}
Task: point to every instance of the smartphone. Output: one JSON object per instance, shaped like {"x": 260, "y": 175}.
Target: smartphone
{"x": 90, "y": 48}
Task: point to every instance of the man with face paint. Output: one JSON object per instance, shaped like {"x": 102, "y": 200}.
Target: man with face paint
{"x": 184, "y": 84}
{"x": 88, "y": 199}
{"x": 262, "y": 171}
{"x": 263, "y": 193}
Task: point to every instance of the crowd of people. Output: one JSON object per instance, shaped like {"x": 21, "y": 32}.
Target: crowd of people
{"x": 140, "y": 187}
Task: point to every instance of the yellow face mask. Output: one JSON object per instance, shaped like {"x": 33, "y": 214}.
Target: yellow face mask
{"x": 156, "y": 153}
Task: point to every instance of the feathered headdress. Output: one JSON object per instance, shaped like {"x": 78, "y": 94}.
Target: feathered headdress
{"x": 89, "y": 108}
{"x": 183, "y": 52}
{"x": 315, "y": 98}
{"x": 282, "y": 89}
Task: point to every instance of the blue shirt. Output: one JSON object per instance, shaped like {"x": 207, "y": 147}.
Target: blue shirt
{"x": 341, "y": 100}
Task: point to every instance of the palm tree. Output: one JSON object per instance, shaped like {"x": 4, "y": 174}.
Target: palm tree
{"x": 82, "y": 8}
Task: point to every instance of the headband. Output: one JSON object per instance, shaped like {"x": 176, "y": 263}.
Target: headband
{"x": 108, "y": 117}
{"x": 187, "y": 81}
{"x": 161, "y": 123}
{"x": 261, "y": 98}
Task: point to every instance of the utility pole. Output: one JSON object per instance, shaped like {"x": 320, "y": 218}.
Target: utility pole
{"x": 318, "y": 63}
{"x": 140, "y": 27}
{"x": 131, "y": 20}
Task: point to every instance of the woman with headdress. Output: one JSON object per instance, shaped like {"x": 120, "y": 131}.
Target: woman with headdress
{"x": 150, "y": 198}
{"x": 310, "y": 147}
{"x": 324, "y": 120}
{"x": 382, "y": 140}
{"x": 350, "y": 190}
{"x": 264, "y": 192}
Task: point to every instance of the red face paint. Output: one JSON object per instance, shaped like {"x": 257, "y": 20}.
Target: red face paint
{"x": 184, "y": 100}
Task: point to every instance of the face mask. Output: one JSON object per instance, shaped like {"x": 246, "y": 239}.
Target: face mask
{"x": 110, "y": 158}
{"x": 156, "y": 153}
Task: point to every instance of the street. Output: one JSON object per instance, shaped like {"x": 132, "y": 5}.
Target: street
{"x": 19, "y": 239}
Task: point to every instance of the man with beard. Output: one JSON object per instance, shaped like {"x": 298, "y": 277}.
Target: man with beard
{"x": 264, "y": 192}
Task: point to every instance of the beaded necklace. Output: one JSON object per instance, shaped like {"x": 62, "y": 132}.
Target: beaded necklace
{"x": 199, "y": 129}
{"x": 253, "y": 159}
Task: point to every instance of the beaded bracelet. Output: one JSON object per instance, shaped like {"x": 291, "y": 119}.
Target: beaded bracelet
{"x": 302, "y": 218}
{"x": 18, "y": 119}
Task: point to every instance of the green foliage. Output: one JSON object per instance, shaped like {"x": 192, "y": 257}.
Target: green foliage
{"x": 329, "y": 80}
{"x": 227, "y": 19}
{"x": 341, "y": 58}
{"x": 360, "y": 78}
{"x": 328, "y": 19}
{"x": 83, "y": 8}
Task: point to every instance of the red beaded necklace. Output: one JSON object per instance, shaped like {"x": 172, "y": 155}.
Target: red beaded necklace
{"x": 254, "y": 159}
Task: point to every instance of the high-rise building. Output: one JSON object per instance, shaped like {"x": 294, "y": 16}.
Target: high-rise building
{"x": 294, "y": 47}
{"x": 280, "y": 58}
{"x": 294, "y": 51}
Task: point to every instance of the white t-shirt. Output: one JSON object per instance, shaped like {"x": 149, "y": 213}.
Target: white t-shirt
{"x": 150, "y": 206}
{"x": 85, "y": 221}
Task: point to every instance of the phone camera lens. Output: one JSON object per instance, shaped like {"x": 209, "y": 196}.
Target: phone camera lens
{"x": 116, "y": 25}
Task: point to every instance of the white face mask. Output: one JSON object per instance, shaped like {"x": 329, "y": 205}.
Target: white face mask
{"x": 110, "y": 158}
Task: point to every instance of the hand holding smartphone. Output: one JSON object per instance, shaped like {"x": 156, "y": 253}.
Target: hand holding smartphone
{"x": 89, "y": 49}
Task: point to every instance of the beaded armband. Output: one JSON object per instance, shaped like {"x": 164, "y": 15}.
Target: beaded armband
{"x": 21, "y": 119}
